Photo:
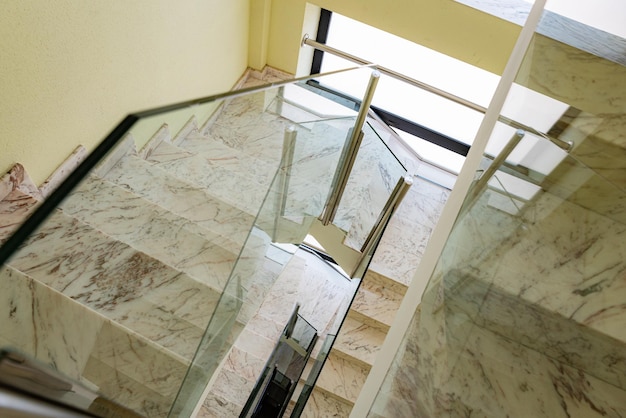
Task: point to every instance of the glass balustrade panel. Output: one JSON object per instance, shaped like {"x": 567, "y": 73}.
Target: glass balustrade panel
{"x": 137, "y": 274}
{"x": 525, "y": 301}
{"x": 375, "y": 173}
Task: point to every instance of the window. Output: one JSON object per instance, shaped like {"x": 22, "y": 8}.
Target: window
{"x": 440, "y": 130}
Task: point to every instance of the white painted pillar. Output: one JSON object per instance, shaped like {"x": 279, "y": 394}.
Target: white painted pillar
{"x": 443, "y": 228}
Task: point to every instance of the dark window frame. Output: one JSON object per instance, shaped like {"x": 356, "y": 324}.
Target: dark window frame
{"x": 389, "y": 118}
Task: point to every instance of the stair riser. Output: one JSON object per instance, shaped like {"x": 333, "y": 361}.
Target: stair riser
{"x": 181, "y": 198}
{"x": 149, "y": 229}
{"x": 55, "y": 329}
{"x": 118, "y": 282}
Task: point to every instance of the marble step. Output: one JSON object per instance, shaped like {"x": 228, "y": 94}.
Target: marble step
{"x": 152, "y": 369}
{"x": 218, "y": 154}
{"x": 153, "y": 230}
{"x": 342, "y": 378}
{"x": 322, "y": 404}
{"x": 377, "y": 301}
{"x": 306, "y": 193}
{"x": 14, "y": 209}
{"x": 229, "y": 160}
{"x": 181, "y": 198}
{"x": 231, "y": 389}
{"x": 125, "y": 391}
{"x": 123, "y": 284}
{"x": 358, "y": 341}
{"x": 216, "y": 406}
{"x": 55, "y": 329}
{"x": 234, "y": 187}
{"x": 244, "y": 124}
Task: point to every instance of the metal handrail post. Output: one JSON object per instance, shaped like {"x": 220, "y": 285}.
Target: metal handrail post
{"x": 481, "y": 183}
{"x": 286, "y": 164}
{"x": 348, "y": 155}
{"x": 400, "y": 190}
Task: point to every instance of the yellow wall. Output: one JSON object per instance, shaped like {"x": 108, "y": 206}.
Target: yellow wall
{"x": 71, "y": 69}
{"x": 442, "y": 25}
{"x": 260, "y": 13}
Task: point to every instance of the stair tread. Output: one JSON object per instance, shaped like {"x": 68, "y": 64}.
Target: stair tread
{"x": 181, "y": 198}
{"x": 359, "y": 341}
{"x": 321, "y": 404}
{"x": 376, "y": 279}
{"x": 342, "y": 378}
{"x": 377, "y": 302}
{"x": 141, "y": 360}
{"x": 116, "y": 280}
{"x": 119, "y": 388}
{"x": 243, "y": 123}
{"x": 149, "y": 228}
{"x": 233, "y": 387}
{"x": 216, "y": 179}
{"x": 217, "y": 406}
{"x": 218, "y": 154}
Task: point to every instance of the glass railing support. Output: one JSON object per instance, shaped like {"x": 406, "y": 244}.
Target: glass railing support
{"x": 495, "y": 165}
{"x": 400, "y": 190}
{"x": 348, "y": 155}
{"x": 286, "y": 163}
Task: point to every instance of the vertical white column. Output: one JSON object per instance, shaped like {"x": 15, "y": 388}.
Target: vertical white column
{"x": 442, "y": 230}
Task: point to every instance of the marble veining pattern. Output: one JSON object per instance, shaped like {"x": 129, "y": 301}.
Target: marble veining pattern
{"x": 377, "y": 302}
{"x": 151, "y": 229}
{"x": 544, "y": 331}
{"x": 180, "y": 198}
{"x": 137, "y": 358}
{"x": 126, "y": 391}
{"x": 320, "y": 402}
{"x": 14, "y": 209}
{"x": 342, "y": 378}
{"x": 305, "y": 280}
{"x": 255, "y": 145}
{"x": 45, "y": 324}
{"x": 61, "y": 173}
{"x": 576, "y": 270}
{"x": 531, "y": 321}
{"x": 117, "y": 281}
{"x": 219, "y": 154}
{"x": 359, "y": 341}
{"x": 239, "y": 190}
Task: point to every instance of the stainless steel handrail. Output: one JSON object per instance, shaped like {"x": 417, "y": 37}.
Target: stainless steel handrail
{"x": 283, "y": 177}
{"x": 565, "y": 145}
{"x": 348, "y": 155}
{"x": 481, "y": 183}
{"x": 400, "y": 190}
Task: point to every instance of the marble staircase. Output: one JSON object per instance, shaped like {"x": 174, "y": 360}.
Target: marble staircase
{"x": 142, "y": 248}
{"x": 165, "y": 220}
{"x": 322, "y": 296}
{"x": 152, "y": 271}
{"x": 358, "y": 342}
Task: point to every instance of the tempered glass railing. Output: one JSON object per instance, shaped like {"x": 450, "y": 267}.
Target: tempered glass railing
{"x": 375, "y": 174}
{"x": 522, "y": 285}
{"x": 271, "y": 396}
{"x": 526, "y": 296}
{"x": 314, "y": 373}
{"x": 137, "y": 274}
